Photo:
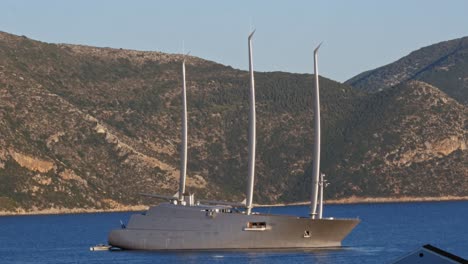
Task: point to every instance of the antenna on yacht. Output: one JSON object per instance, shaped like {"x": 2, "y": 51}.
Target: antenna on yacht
{"x": 316, "y": 168}
{"x": 183, "y": 154}
{"x": 322, "y": 185}
{"x": 251, "y": 131}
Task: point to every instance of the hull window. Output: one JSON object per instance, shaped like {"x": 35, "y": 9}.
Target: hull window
{"x": 255, "y": 226}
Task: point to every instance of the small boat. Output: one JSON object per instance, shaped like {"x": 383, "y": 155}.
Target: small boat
{"x": 100, "y": 247}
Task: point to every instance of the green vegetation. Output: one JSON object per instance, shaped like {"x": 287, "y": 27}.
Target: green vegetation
{"x": 444, "y": 65}
{"x": 372, "y": 144}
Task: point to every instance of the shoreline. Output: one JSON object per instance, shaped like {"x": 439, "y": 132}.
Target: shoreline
{"x": 375, "y": 200}
{"x": 404, "y": 199}
{"x": 59, "y": 211}
{"x": 137, "y": 208}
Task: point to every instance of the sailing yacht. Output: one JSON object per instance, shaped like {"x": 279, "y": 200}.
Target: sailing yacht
{"x": 183, "y": 223}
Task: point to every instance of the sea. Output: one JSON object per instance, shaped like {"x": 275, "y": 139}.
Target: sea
{"x": 387, "y": 231}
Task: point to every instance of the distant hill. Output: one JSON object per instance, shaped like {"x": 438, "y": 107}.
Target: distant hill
{"x": 444, "y": 65}
{"x": 408, "y": 140}
{"x": 87, "y": 127}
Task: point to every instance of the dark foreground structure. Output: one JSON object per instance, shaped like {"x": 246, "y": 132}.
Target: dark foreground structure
{"x": 429, "y": 254}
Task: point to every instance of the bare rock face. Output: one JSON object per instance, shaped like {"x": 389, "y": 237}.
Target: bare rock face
{"x": 32, "y": 163}
{"x": 86, "y": 128}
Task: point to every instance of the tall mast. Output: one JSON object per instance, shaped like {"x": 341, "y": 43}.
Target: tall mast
{"x": 252, "y": 143}
{"x": 316, "y": 168}
{"x": 183, "y": 154}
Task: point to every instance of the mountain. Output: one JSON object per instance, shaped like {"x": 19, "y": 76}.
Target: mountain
{"x": 91, "y": 128}
{"x": 444, "y": 65}
{"x": 411, "y": 139}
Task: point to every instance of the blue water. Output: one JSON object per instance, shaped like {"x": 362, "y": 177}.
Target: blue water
{"x": 387, "y": 231}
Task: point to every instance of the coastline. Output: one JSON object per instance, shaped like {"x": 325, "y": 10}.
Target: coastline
{"x": 403, "y": 199}
{"x": 136, "y": 208}
{"x": 376, "y": 200}
{"x": 56, "y": 211}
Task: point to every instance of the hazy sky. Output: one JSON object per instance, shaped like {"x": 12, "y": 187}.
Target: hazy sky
{"x": 357, "y": 35}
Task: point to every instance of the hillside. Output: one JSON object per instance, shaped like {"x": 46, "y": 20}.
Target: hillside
{"x": 444, "y": 65}
{"x": 408, "y": 140}
{"x": 86, "y": 127}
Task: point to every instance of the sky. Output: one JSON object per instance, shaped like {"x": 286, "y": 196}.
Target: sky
{"x": 357, "y": 35}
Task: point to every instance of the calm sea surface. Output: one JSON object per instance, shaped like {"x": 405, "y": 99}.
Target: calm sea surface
{"x": 387, "y": 231}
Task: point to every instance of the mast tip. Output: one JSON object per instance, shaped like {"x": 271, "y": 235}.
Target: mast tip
{"x": 317, "y": 48}
{"x": 251, "y": 34}
{"x": 185, "y": 56}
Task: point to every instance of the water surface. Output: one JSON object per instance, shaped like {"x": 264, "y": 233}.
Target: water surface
{"x": 387, "y": 231}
